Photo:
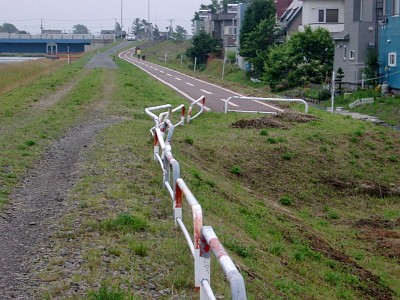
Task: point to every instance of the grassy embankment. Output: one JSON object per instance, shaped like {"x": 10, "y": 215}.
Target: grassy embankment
{"x": 17, "y": 74}
{"x": 28, "y": 126}
{"x": 308, "y": 210}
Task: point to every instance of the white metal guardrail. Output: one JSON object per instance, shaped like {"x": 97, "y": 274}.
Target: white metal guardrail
{"x": 261, "y": 99}
{"x": 202, "y": 99}
{"x": 204, "y": 238}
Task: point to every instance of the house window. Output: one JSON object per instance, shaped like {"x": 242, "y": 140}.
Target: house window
{"x": 396, "y": 7}
{"x": 352, "y": 55}
{"x": 392, "y": 59}
{"x": 328, "y": 15}
{"x": 344, "y": 52}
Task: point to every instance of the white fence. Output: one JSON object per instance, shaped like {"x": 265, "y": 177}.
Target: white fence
{"x": 361, "y": 102}
{"x": 204, "y": 237}
{"x": 257, "y": 99}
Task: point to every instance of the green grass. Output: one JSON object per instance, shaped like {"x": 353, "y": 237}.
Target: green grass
{"x": 26, "y": 131}
{"x": 291, "y": 221}
{"x": 15, "y": 74}
{"x": 124, "y": 222}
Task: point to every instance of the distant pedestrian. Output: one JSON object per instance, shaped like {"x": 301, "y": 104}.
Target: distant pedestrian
{"x": 138, "y": 53}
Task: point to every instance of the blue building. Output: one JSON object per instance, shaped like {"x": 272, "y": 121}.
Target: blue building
{"x": 389, "y": 43}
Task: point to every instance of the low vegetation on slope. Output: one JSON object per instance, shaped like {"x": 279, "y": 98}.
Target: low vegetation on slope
{"x": 307, "y": 206}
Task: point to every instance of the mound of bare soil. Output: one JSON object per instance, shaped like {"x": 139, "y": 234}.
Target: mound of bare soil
{"x": 368, "y": 188}
{"x": 285, "y": 120}
{"x": 382, "y": 234}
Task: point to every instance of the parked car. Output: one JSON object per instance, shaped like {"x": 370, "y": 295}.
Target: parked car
{"x": 130, "y": 37}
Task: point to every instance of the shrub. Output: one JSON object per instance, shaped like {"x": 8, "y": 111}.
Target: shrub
{"x": 30, "y": 143}
{"x": 285, "y": 200}
{"x": 140, "y": 249}
{"x": 189, "y": 140}
{"x": 105, "y": 293}
{"x": 236, "y": 170}
{"x": 288, "y": 155}
{"x": 124, "y": 222}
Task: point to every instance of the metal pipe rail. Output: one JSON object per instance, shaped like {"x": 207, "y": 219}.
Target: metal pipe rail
{"x": 201, "y": 263}
{"x": 202, "y": 99}
{"x": 204, "y": 238}
{"x": 232, "y": 274}
{"x": 262, "y": 99}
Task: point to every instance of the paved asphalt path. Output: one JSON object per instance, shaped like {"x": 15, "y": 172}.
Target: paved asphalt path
{"x": 192, "y": 88}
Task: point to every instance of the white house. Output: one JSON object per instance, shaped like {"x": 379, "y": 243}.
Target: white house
{"x": 328, "y": 14}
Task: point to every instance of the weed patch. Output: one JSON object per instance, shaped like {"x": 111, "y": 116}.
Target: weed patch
{"x": 124, "y": 222}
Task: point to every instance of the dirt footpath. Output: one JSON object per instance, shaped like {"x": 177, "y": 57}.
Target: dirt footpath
{"x": 36, "y": 205}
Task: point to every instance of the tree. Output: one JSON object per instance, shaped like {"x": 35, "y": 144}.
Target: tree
{"x": 202, "y": 45}
{"x": 156, "y": 32}
{"x": 8, "y": 27}
{"x": 180, "y": 33}
{"x": 372, "y": 67}
{"x": 118, "y": 28}
{"x": 258, "y": 42}
{"x": 137, "y": 27}
{"x": 80, "y": 29}
{"x": 339, "y": 79}
{"x": 306, "y": 57}
{"x": 258, "y": 33}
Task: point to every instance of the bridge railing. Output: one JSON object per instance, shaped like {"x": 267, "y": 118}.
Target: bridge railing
{"x": 204, "y": 238}
{"x": 57, "y": 36}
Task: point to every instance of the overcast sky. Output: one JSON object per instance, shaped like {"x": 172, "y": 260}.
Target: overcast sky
{"x": 96, "y": 14}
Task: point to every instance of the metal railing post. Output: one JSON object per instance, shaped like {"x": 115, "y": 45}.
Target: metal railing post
{"x": 202, "y": 99}
{"x": 232, "y": 274}
{"x": 205, "y": 287}
{"x": 177, "y": 205}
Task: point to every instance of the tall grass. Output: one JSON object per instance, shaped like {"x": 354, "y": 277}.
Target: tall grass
{"x": 17, "y": 74}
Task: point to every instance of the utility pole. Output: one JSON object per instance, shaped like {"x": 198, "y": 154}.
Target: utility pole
{"x": 121, "y": 15}
{"x": 148, "y": 11}
{"x": 41, "y": 26}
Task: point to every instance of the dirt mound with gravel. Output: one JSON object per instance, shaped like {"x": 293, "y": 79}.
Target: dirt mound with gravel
{"x": 284, "y": 120}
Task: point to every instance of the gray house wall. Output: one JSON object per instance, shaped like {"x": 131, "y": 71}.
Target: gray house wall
{"x": 359, "y": 34}
{"x": 294, "y": 25}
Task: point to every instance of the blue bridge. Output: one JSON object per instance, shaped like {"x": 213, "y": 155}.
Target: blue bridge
{"x": 52, "y": 44}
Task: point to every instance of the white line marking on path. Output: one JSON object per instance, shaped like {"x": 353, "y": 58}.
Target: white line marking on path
{"x": 178, "y": 78}
{"x": 188, "y": 83}
{"x": 169, "y": 74}
{"x": 162, "y": 72}
{"x": 230, "y": 103}
{"x": 207, "y": 92}
{"x": 270, "y": 106}
{"x": 156, "y": 69}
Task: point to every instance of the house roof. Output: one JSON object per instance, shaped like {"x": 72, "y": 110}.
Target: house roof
{"x": 291, "y": 12}
{"x": 340, "y": 36}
